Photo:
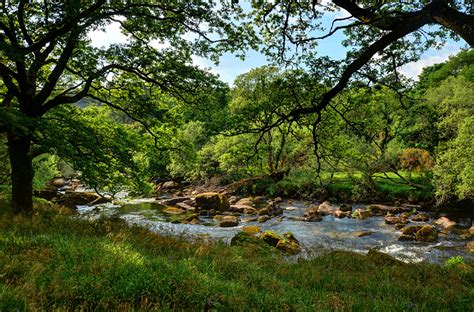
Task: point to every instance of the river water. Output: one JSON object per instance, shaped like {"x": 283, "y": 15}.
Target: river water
{"x": 315, "y": 237}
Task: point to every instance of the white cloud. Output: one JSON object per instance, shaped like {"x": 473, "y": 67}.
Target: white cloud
{"x": 413, "y": 70}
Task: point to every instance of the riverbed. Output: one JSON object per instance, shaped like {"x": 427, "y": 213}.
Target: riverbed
{"x": 315, "y": 237}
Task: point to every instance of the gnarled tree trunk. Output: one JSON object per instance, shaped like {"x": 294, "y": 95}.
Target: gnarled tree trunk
{"x": 22, "y": 172}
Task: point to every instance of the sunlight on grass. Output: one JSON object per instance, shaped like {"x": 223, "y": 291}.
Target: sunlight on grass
{"x": 124, "y": 252}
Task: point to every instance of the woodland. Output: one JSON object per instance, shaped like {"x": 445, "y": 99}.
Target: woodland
{"x": 141, "y": 118}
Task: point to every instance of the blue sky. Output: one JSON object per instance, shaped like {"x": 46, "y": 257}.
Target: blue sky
{"x": 230, "y": 66}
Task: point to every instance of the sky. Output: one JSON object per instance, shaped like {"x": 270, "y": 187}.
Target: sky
{"x": 230, "y": 67}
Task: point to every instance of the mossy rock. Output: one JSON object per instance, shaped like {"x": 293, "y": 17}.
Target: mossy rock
{"x": 251, "y": 229}
{"x": 184, "y": 218}
{"x": 411, "y": 230}
{"x": 361, "y": 214}
{"x": 245, "y": 239}
{"x": 427, "y": 233}
{"x": 270, "y": 237}
{"x": 208, "y": 201}
{"x": 288, "y": 246}
{"x": 380, "y": 258}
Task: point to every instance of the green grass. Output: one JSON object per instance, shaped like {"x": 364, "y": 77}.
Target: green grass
{"x": 350, "y": 187}
{"x": 52, "y": 262}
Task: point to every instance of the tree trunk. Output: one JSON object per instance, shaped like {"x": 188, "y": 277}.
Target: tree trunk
{"x": 22, "y": 172}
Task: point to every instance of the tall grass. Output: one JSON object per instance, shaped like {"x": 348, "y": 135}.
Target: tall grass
{"x": 52, "y": 261}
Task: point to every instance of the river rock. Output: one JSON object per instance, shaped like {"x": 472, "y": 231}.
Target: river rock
{"x": 72, "y": 199}
{"x": 218, "y": 218}
{"x": 421, "y": 217}
{"x": 427, "y": 233}
{"x": 263, "y": 212}
{"x": 361, "y": 214}
{"x": 57, "y": 182}
{"x": 411, "y": 230}
{"x": 243, "y": 238}
{"x": 291, "y": 208}
{"x": 278, "y": 199}
{"x": 173, "y": 210}
{"x": 211, "y": 200}
{"x": 345, "y": 208}
{"x": 445, "y": 223}
{"x": 263, "y": 219}
{"x": 270, "y": 237}
{"x": 190, "y": 202}
{"x": 185, "y": 206}
{"x": 362, "y": 233}
{"x": 233, "y": 200}
{"x": 245, "y": 201}
{"x": 251, "y": 229}
{"x": 169, "y": 185}
{"x": 185, "y": 218}
{"x": 240, "y": 208}
{"x": 470, "y": 246}
{"x": 404, "y": 237}
{"x": 391, "y": 219}
{"x": 289, "y": 244}
{"x": 229, "y": 221}
{"x": 254, "y": 219}
{"x": 173, "y": 201}
{"x": 312, "y": 215}
{"x": 326, "y": 208}
{"x": 341, "y": 214}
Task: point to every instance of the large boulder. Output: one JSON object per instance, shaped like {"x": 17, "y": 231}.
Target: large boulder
{"x": 445, "y": 223}
{"x": 208, "y": 201}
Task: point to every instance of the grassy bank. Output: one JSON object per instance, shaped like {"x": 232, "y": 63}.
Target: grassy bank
{"x": 50, "y": 261}
{"x": 347, "y": 187}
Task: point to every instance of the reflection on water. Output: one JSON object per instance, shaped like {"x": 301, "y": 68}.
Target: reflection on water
{"x": 330, "y": 234}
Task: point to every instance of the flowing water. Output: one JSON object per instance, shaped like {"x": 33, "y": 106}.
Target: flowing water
{"x": 315, "y": 237}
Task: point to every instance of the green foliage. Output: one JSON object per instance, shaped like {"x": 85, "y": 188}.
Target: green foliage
{"x": 454, "y": 261}
{"x": 45, "y": 167}
{"x": 53, "y": 262}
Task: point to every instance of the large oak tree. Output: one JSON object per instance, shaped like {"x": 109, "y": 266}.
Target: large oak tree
{"x": 47, "y": 60}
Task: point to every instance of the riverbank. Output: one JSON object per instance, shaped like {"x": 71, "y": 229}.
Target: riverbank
{"x": 52, "y": 261}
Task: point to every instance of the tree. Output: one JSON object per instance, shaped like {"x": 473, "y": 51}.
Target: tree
{"x": 381, "y": 37}
{"x": 47, "y": 61}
